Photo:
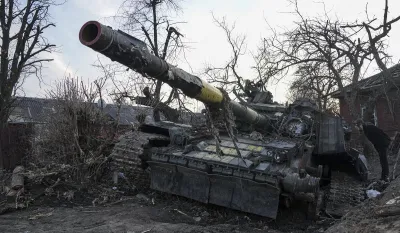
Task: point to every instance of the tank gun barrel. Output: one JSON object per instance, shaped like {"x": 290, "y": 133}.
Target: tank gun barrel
{"x": 133, "y": 53}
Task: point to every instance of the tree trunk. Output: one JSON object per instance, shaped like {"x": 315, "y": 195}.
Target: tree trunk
{"x": 5, "y": 108}
{"x": 156, "y": 113}
{"x": 368, "y": 148}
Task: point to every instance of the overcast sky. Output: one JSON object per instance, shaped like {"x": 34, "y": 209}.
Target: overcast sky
{"x": 207, "y": 41}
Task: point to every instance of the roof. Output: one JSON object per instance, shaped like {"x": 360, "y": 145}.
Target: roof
{"x": 38, "y": 110}
{"x": 375, "y": 81}
{"x": 33, "y": 110}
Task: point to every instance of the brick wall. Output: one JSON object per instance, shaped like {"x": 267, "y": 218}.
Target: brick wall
{"x": 386, "y": 122}
{"x": 14, "y": 145}
{"x": 345, "y": 111}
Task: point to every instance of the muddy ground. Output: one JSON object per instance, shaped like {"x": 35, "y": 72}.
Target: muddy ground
{"x": 149, "y": 211}
{"x": 381, "y": 214}
{"x": 130, "y": 217}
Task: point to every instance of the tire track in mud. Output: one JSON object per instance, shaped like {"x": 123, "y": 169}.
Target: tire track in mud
{"x": 126, "y": 218}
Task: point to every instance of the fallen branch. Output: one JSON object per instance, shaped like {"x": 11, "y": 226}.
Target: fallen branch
{"x": 30, "y": 175}
{"x": 41, "y": 215}
{"x": 45, "y": 191}
{"x": 387, "y": 211}
{"x": 146, "y": 231}
{"x": 395, "y": 164}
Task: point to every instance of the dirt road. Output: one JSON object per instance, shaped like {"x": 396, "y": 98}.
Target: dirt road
{"x": 123, "y": 218}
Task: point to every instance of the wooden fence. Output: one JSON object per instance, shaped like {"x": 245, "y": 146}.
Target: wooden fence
{"x": 14, "y": 145}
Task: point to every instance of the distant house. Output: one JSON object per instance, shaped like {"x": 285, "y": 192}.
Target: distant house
{"x": 29, "y": 117}
{"x": 382, "y": 115}
{"x": 28, "y": 110}
{"x": 35, "y": 112}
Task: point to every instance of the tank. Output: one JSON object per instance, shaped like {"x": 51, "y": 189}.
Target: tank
{"x": 250, "y": 156}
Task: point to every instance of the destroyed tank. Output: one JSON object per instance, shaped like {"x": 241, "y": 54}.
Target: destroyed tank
{"x": 263, "y": 155}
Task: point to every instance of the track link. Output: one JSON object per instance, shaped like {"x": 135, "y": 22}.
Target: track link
{"x": 345, "y": 192}
{"x": 126, "y": 156}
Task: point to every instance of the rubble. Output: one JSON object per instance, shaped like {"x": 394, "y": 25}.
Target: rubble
{"x": 394, "y": 201}
{"x": 380, "y": 214}
{"x": 142, "y": 197}
{"x": 372, "y": 193}
{"x": 205, "y": 214}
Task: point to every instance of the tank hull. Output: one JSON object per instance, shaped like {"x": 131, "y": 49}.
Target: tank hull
{"x": 227, "y": 191}
{"x": 253, "y": 182}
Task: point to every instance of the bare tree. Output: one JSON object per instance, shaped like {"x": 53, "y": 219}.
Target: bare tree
{"x": 78, "y": 135}
{"x": 321, "y": 40}
{"x": 331, "y": 43}
{"x": 130, "y": 88}
{"x": 23, "y": 46}
{"x": 376, "y": 39}
{"x": 227, "y": 76}
{"x": 314, "y": 81}
{"x": 376, "y": 35}
{"x": 151, "y": 21}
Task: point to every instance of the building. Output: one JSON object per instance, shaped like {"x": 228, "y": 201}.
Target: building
{"x": 30, "y": 116}
{"x": 36, "y": 111}
{"x": 386, "y": 114}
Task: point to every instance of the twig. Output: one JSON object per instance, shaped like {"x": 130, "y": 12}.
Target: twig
{"x": 56, "y": 183}
{"x": 386, "y": 211}
{"x": 119, "y": 201}
{"x": 372, "y": 184}
{"x": 41, "y": 215}
{"x": 214, "y": 130}
{"x": 182, "y": 213}
{"x": 43, "y": 193}
{"x": 147, "y": 230}
{"x": 32, "y": 176}
{"x": 395, "y": 165}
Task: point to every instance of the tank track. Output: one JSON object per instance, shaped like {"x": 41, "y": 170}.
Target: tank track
{"x": 126, "y": 157}
{"x": 345, "y": 192}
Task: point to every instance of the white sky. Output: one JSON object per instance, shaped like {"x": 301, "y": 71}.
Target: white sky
{"x": 206, "y": 39}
